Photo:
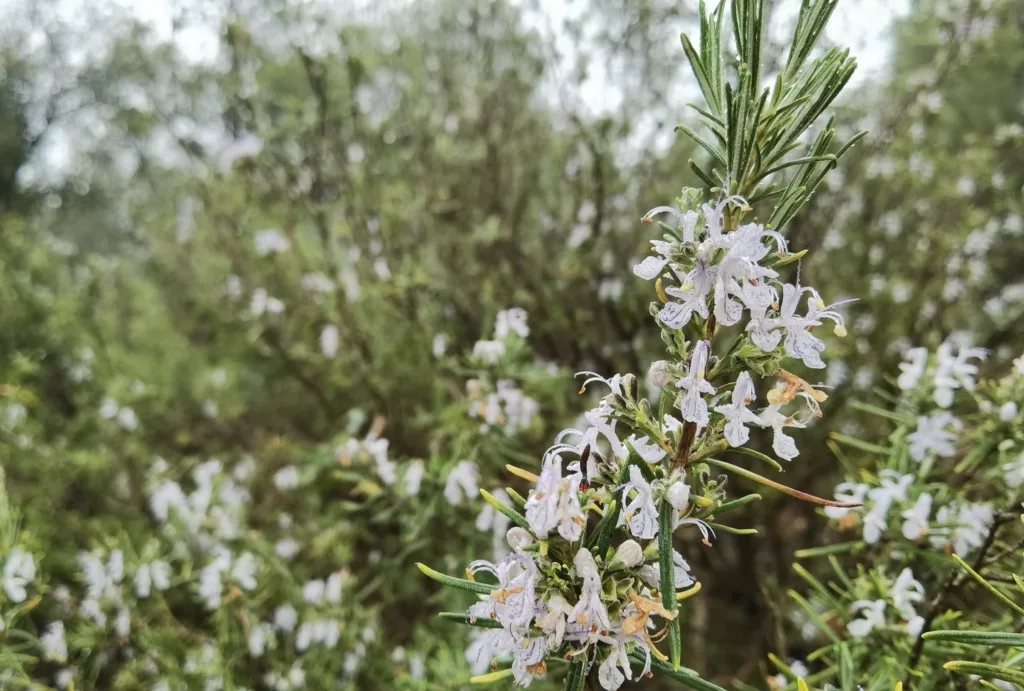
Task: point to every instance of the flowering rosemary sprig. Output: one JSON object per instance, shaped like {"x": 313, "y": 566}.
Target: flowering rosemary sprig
{"x": 594, "y": 577}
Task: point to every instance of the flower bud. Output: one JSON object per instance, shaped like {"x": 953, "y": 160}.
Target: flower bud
{"x": 679, "y": 495}
{"x": 659, "y": 374}
{"x": 518, "y": 538}
{"x": 629, "y": 554}
{"x": 629, "y": 387}
{"x": 1008, "y": 412}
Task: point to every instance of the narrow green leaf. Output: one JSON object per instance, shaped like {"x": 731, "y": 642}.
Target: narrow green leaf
{"x": 513, "y": 515}
{"x": 733, "y": 531}
{"x": 491, "y": 677}
{"x": 859, "y": 444}
{"x": 666, "y": 553}
{"x": 743, "y": 472}
{"x": 460, "y": 583}
{"x": 988, "y": 586}
{"x": 706, "y": 178}
{"x": 685, "y": 676}
{"x": 736, "y": 504}
{"x": 461, "y": 618}
{"x": 1011, "y": 640}
{"x": 753, "y": 453}
{"x": 837, "y": 548}
{"x": 986, "y": 670}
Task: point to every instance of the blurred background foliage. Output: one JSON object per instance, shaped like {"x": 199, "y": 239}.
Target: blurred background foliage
{"x": 430, "y": 164}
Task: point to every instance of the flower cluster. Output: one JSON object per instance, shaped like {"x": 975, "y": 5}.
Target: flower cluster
{"x": 945, "y": 496}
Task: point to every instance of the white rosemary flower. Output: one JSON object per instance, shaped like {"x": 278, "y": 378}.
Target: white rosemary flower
{"x": 156, "y": 574}
{"x": 640, "y": 512}
{"x": 872, "y": 617}
{"x": 463, "y": 482}
{"x": 916, "y": 361}
{"x": 511, "y": 321}
{"x": 286, "y": 478}
{"x": 893, "y": 488}
{"x": 954, "y": 370}
{"x": 736, "y": 414}
{"x": 330, "y": 339}
{"x": 555, "y": 503}
{"x": 1014, "y": 472}
{"x": 847, "y": 493}
{"x": 615, "y": 669}
{"x": 414, "y": 473}
{"x": 54, "y": 644}
{"x": 936, "y": 433}
{"x": 489, "y": 352}
{"x": 19, "y": 571}
{"x": 915, "y": 524}
{"x": 589, "y": 611}
{"x": 270, "y": 241}
{"x": 906, "y": 593}
{"x": 783, "y": 444}
{"x": 285, "y": 618}
{"x": 967, "y": 526}
{"x": 693, "y": 406}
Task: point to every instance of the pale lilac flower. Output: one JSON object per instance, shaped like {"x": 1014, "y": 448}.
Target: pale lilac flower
{"x": 651, "y": 573}
{"x": 553, "y": 621}
{"x": 155, "y": 574}
{"x": 127, "y": 418}
{"x": 528, "y": 653}
{"x": 285, "y": 618}
{"x": 954, "y": 370}
{"x": 511, "y": 321}
{"x": 892, "y": 489}
{"x": 440, "y": 346}
{"x": 915, "y": 524}
{"x": 589, "y": 611}
{"x": 286, "y": 478}
{"x": 640, "y": 512}
{"x": 316, "y": 283}
{"x": 19, "y": 571}
{"x": 243, "y": 571}
{"x": 332, "y": 590}
{"x": 271, "y": 241}
{"x": 615, "y": 669}
{"x": 555, "y": 503}
{"x": 913, "y": 368}
{"x": 123, "y": 623}
{"x": 518, "y": 538}
{"x": 109, "y": 408}
{"x": 1008, "y": 411}
{"x": 872, "y": 617}
{"x": 847, "y": 493}
{"x": 463, "y": 482}
{"x": 737, "y": 414}
{"x": 257, "y": 640}
{"x": 692, "y": 296}
{"x": 1014, "y": 471}
{"x": 693, "y": 406}
{"x": 414, "y": 473}
{"x": 489, "y": 352}
{"x": 286, "y": 548}
{"x": 783, "y": 444}
{"x": 967, "y": 526}
{"x": 906, "y": 593}
{"x": 330, "y": 340}
{"x": 936, "y": 433}
{"x": 313, "y": 591}
{"x": 55, "y": 647}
